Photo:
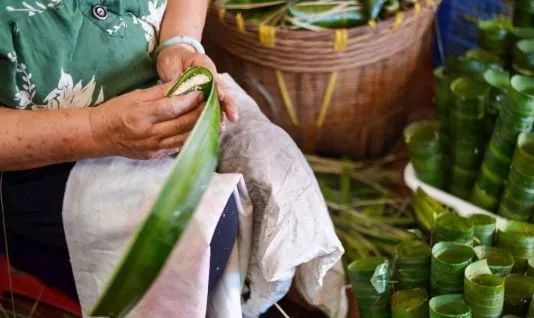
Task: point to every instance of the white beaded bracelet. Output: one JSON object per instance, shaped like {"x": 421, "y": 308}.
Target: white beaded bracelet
{"x": 194, "y": 43}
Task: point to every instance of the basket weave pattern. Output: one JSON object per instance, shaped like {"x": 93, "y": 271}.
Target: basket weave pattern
{"x": 348, "y": 100}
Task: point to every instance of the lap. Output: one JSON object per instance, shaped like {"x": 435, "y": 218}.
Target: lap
{"x": 33, "y": 202}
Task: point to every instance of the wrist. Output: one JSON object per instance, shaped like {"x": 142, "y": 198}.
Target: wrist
{"x": 180, "y": 47}
{"x": 97, "y": 143}
{"x": 185, "y": 41}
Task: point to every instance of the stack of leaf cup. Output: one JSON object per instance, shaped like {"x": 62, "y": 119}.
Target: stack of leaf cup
{"x": 371, "y": 285}
{"x": 483, "y": 290}
{"x": 410, "y": 303}
{"x": 449, "y": 261}
{"x": 487, "y": 188}
{"x": 449, "y": 306}
{"x": 494, "y": 36}
{"x": 443, "y": 99}
{"x": 524, "y": 13}
{"x": 424, "y": 145}
{"x": 523, "y": 57}
{"x": 516, "y": 115}
{"x": 412, "y": 260}
{"x": 496, "y": 79}
{"x": 499, "y": 261}
{"x": 518, "y": 200}
{"x": 451, "y": 227}
{"x": 518, "y": 291}
{"x": 484, "y": 229}
{"x": 466, "y": 124}
{"x": 517, "y": 238}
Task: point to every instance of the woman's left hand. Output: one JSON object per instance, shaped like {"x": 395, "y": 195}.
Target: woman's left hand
{"x": 174, "y": 60}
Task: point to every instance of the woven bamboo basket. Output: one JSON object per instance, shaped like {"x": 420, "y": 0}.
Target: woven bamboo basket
{"x": 336, "y": 92}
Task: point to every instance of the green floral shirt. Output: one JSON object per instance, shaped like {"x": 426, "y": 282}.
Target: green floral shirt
{"x": 58, "y": 54}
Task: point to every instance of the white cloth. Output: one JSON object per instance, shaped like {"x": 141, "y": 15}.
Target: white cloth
{"x": 289, "y": 237}
{"x": 293, "y": 237}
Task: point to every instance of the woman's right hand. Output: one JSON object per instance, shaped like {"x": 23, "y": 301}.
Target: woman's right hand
{"x": 144, "y": 124}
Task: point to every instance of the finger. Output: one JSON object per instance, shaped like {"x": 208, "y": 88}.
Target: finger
{"x": 229, "y": 108}
{"x": 153, "y": 93}
{"x": 168, "y": 108}
{"x": 177, "y": 126}
{"x": 204, "y": 60}
{"x": 221, "y": 89}
{"x": 167, "y": 153}
{"x": 174, "y": 143}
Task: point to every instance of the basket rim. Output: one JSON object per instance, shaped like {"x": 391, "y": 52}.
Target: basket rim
{"x": 229, "y": 17}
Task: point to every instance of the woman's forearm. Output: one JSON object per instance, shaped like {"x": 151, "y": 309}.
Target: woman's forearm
{"x": 31, "y": 139}
{"x": 184, "y": 17}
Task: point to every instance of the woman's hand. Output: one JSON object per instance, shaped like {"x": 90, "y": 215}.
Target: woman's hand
{"x": 144, "y": 124}
{"x": 174, "y": 60}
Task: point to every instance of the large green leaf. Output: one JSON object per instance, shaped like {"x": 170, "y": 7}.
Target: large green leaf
{"x": 174, "y": 207}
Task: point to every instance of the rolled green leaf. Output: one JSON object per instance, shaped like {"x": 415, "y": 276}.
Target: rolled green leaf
{"x": 173, "y": 208}
{"x": 524, "y": 13}
{"x": 499, "y": 261}
{"x": 327, "y": 14}
{"x": 451, "y": 227}
{"x": 522, "y": 33}
{"x": 371, "y": 286}
{"x": 518, "y": 293}
{"x": 517, "y": 238}
{"x": 449, "y": 306}
{"x": 251, "y": 4}
{"x": 374, "y": 8}
{"x": 484, "y": 229}
{"x": 484, "y": 56}
{"x": 523, "y": 57}
{"x": 410, "y": 303}
{"x": 412, "y": 260}
{"x": 518, "y": 199}
{"x": 483, "y": 290}
{"x": 498, "y": 81}
{"x": 424, "y": 144}
{"x": 494, "y": 36}
{"x": 472, "y": 65}
{"x": 466, "y": 123}
{"x": 449, "y": 261}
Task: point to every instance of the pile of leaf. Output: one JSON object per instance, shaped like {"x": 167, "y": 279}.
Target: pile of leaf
{"x": 314, "y": 14}
{"x": 370, "y": 212}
